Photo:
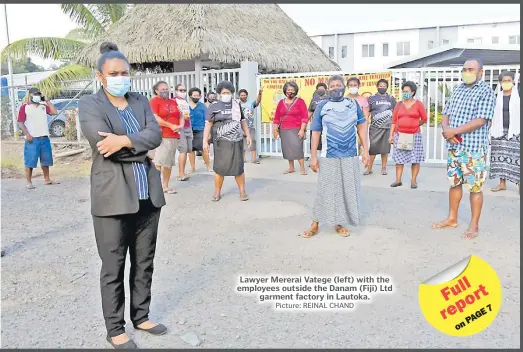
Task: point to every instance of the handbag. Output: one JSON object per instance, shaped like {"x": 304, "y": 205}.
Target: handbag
{"x": 405, "y": 141}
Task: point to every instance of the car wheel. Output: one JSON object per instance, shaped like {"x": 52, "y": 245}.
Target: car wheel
{"x": 57, "y": 129}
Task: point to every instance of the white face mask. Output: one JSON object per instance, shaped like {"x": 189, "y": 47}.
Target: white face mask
{"x": 353, "y": 90}
{"x": 181, "y": 95}
{"x": 36, "y": 99}
{"x": 226, "y": 98}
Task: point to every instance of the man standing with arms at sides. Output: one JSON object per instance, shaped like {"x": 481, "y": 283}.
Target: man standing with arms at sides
{"x": 32, "y": 120}
{"x": 248, "y": 107}
{"x": 465, "y": 123}
{"x": 186, "y": 134}
{"x": 319, "y": 95}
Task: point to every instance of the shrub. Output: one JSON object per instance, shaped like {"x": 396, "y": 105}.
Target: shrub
{"x": 436, "y": 119}
{"x": 70, "y": 125}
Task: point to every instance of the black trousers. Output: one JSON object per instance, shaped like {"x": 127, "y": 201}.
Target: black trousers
{"x": 319, "y": 144}
{"x": 114, "y": 236}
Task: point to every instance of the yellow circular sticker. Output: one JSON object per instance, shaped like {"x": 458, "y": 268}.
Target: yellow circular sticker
{"x": 462, "y": 300}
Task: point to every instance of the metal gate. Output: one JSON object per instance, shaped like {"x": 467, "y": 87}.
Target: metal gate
{"x": 434, "y": 88}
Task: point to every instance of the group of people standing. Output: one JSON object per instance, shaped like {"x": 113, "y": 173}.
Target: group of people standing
{"x": 127, "y": 191}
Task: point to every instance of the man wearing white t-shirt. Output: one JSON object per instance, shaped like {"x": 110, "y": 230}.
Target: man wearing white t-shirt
{"x": 32, "y": 120}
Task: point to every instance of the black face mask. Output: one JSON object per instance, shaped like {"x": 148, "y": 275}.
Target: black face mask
{"x": 195, "y": 100}
{"x": 321, "y": 93}
{"x": 382, "y": 90}
{"x": 291, "y": 95}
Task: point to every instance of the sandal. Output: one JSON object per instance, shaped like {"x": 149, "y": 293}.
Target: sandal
{"x": 470, "y": 235}
{"x": 396, "y": 184}
{"x": 30, "y": 187}
{"x": 384, "y": 172}
{"x": 413, "y": 185}
{"x": 366, "y": 173}
{"x": 342, "y": 231}
{"x": 244, "y": 197}
{"x": 183, "y": 178}
{"x": 303, "y": 173}
{"x": 288, "y": 172}
{"x": 169, "y": 191}
{"x": 498, "y": 188}
{"x": 216, "y": 198}
{"x": 444, "y": 225}
{"x": 309, "y": 233}
{"x": 255, "y": 161}
{"x": 51, "y": 183}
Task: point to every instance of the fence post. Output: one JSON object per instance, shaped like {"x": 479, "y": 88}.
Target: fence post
{"x": 247, "y": 80}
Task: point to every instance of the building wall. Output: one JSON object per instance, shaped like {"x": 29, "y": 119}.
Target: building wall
{"x": 485, "y": 32}
{"x": 418, "y": 38}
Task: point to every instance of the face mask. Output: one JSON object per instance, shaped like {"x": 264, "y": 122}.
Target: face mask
{"x": 164, "y": 95}
{"x": 180, "y": 95}
{"x": 337, "y": 94}
{"x": 506, "y": 86}
{"x": 118, "y": 86}
{"x": 407, "y": 96}
{"x": 226, "y": 98}
{"x": 195, "y": 100}
{"x": 290, "y": 95}
{"x": 353, "y": 90}
{"x": 36, "y": 99}
{"x": 469, "y": 77}
{"x": 382, "y": 90}
{"x": 321, "y": 93}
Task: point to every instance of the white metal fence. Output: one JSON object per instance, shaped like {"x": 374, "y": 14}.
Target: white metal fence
{"x": 434, "y": 88}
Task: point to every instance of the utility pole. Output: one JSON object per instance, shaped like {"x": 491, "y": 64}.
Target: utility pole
{"x": 11, "y": 89}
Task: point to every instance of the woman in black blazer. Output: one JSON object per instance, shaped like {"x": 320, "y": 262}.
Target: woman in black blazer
{"x": 126, "y": 193}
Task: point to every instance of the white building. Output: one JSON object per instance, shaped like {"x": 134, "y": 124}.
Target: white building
{"x": 381, "y": 49}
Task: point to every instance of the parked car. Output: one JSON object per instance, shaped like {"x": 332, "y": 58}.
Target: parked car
{"x": 57, "y": 123}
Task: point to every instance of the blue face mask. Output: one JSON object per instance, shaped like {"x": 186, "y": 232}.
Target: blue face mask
{"x": 337, "y": 94}
{"x": 118, "y": 86}
{"x": 407, "y": 96}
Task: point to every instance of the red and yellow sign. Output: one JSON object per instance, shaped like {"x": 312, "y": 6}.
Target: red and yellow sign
{"x": 273, "y": 89}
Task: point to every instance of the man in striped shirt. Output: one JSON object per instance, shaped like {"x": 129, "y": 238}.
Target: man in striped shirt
{"x": 465, "y": 127}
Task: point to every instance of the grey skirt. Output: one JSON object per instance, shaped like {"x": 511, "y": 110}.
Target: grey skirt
{"x": 379, "y": 140}
{"x": 338, "y": 194}
{"x": 228, "y": 158}
{"x": 291, "y": 144}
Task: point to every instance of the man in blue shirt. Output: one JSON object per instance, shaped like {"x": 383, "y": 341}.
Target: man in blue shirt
{"x": 198, "y": 110}
{"x": 465, "y": 124}
{"x": 248, "y": 107}
{"x": 337, "y": 200}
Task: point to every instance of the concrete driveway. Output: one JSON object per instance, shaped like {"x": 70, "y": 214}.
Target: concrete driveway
{"x": 50, "y": 274}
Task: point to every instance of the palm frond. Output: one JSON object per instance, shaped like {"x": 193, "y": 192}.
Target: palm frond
{"x": 109, "y": 13}
{"x": 83, "y": 16}
{"x": 58, "y": 81}
{"x": 45, "y": 47}
{"x": 80, "y": 34}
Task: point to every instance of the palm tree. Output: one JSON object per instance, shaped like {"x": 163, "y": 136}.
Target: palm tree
{"x": 92, "y": 20}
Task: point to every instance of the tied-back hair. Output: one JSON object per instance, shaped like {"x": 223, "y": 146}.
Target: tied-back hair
{"x": 157, "y": 84}
{"x": 109, "y": 51}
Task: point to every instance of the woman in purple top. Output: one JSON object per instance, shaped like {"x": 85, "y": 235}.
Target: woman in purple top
{"x": 381, "y": 106}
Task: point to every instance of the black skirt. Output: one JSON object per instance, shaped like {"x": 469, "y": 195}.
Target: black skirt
{"x": 228, "y": 158}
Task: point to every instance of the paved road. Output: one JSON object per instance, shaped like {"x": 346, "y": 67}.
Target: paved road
{"x": 50, "y": 295}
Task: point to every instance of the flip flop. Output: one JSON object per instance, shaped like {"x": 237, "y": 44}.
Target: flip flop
{"x": 51, "y": 183}
{"x": 470, "y": 235}
{"x": 366, "y": 173}
{"x": 342, "y": 231}
{"x": 30, "y": 187}
{"x": 183, "y": 178}
{"x": 498, "y": 189}
{"x": 216, "y": 198}
{"x": 255, "y": 161}
{"x": 443, "y": 225}
{"x": 396, "y": 184}
{"x": 413, "y": 185}
{"x": 384, "y": 172}
{"x": 244, "y": 197}
{"x": 288, "y": 172}
{"x": 303, "y": 173}
{"x": 169, "y": 191}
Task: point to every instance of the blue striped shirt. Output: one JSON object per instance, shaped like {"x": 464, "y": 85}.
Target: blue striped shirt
{"x": 140, "y": 169}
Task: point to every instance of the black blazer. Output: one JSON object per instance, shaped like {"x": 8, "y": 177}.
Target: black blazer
{"x": 113, "y": 187}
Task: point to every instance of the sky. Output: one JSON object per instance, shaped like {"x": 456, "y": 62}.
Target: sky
{"x": 47, "y": 20}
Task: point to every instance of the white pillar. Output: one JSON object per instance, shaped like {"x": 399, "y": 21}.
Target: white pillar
{"x": 198, "y": 73}
{"x": 247, "y": 80}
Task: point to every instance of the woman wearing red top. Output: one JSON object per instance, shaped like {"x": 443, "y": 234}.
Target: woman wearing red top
{"x": 167, "y": 114}
{"x": 290, "y": 121}
{"x": 407, "y": 118}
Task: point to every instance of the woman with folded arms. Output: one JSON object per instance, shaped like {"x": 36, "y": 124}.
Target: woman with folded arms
{"x": 126, "y": 193}
{"x": 405, "y": 134}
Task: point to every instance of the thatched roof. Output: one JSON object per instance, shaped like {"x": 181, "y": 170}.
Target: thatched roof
{"x": 227, "y": 33}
